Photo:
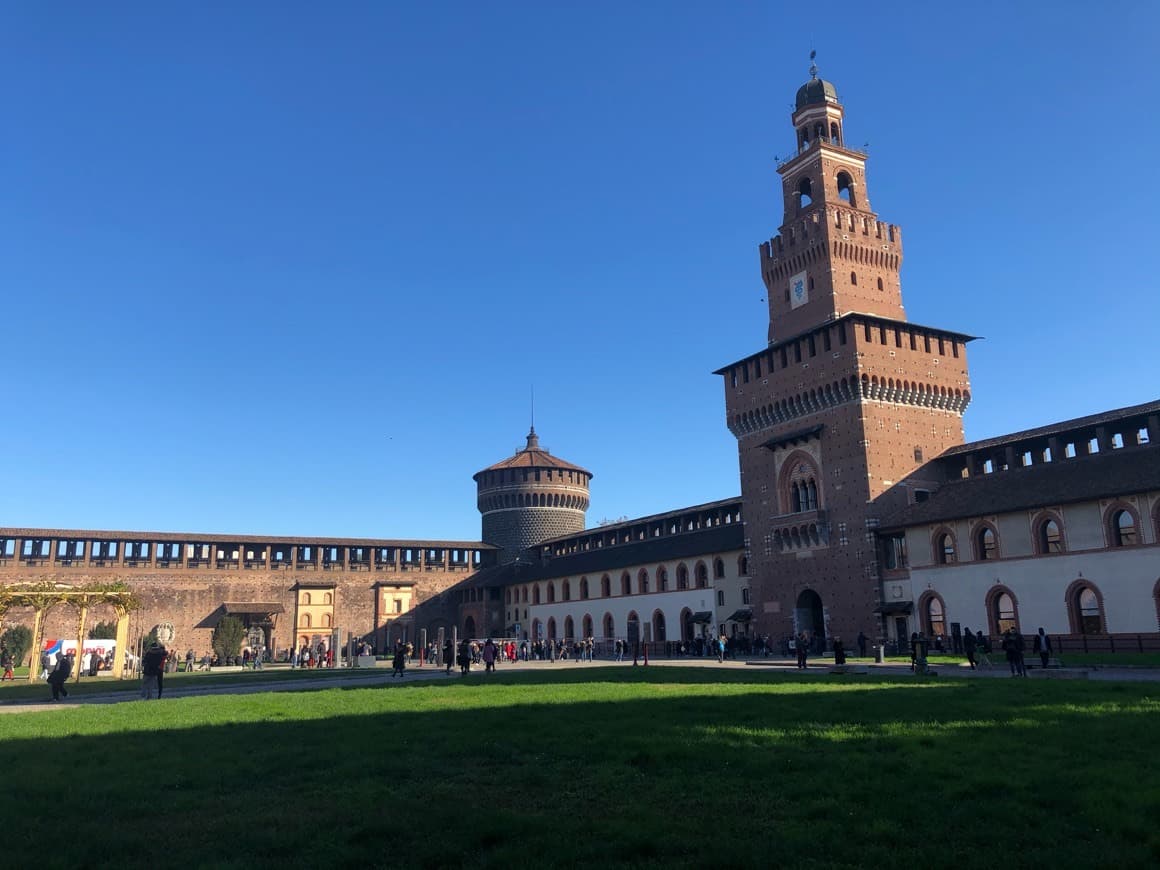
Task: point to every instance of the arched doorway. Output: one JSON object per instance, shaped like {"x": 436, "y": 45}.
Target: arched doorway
{"x": 469, "y": 627}
{"x": 569, "y": 629}
{"x": 609, "y": 627}
{"x": 688, "y": 630}
{"x": 658, "y": 626}
{"x": 808, "y": 615}
{"x": 633, "y": 628}
{"x": 587, "y": 626}
{"x": 552, "y": 628}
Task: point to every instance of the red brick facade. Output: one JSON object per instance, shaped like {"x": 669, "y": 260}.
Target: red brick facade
{"x": 847, "y": 399}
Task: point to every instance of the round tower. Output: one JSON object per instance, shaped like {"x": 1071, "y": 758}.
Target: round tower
{"x": 529, "y": 498}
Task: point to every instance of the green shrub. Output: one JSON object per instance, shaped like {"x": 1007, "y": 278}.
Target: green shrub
{"x": 228, "y": 637}
{"x": 103, "y": 631}
{"x": 18, "y": 639}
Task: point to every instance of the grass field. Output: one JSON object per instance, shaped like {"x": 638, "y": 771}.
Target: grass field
{"x": 609, "y": 766}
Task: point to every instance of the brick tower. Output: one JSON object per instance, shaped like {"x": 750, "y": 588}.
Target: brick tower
{"x": 848, "y": 397}
{"x": 530, "y": 497}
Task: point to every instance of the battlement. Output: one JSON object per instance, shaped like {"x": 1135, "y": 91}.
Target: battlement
{"x": 847, "y": 221}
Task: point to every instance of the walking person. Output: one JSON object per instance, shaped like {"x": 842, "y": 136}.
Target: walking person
{"x": 448, "y": 654}
{"x": 399, "y": 662}
{"x": 6, "y": 662}
{"x": 802, "y": 645}
{"x": 152, "y": 671}
{"x": 862, "y": 644}
{"x": 1043, "y": 647}
{"x": 1009, "y": 651}
{"x": 969, "y": 647}
{"x": 1020, "y": 664}
{"x": 464, "y": 657}
{"x": 59, "y": 675}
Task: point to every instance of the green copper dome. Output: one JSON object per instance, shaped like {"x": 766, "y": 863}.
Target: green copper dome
{"x": 816, "y": 91}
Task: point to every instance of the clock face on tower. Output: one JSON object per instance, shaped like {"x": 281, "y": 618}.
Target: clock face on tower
{"x": 799, "y": 293}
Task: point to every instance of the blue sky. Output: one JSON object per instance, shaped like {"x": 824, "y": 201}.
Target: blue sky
{"x": 294, "y": 268}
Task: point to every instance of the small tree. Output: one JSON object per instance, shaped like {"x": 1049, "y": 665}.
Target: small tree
{"x": 18, "y": 639}
{"x": 228, "y": 638}
{"x": 103, "y": 631}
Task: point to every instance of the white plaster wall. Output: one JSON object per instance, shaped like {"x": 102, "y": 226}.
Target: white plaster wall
{"x": 670, "y": 603}
{"x": 1125, "y": 577}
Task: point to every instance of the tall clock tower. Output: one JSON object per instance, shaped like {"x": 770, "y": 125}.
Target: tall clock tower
{"x": 847, "y": 398}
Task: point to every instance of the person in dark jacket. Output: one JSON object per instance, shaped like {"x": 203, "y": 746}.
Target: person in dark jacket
{"x": 152, "y": 670}
{"x": 59, "y": 676}
{"x": 464, "y": 657}
{"x": 448, "y": 654}
{"x": 969, "y": 647}
{"x": 1043, "y": 647}
{"x": 400, "y": 660}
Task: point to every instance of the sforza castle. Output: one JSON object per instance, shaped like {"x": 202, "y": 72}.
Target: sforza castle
{"x": 861, "y": 509}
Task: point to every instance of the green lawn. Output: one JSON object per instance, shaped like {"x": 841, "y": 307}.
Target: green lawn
{"x": 22, "y": 690}
{"x": 608, "y": 766}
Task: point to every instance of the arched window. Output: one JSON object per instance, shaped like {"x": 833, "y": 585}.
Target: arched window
{"x": 586, "y": 625}
{"x": 567, "y": 590}
{"x": 986, "y": 544}
{"x": 798, "y": 483}
{"x": 1085, "y": 609}
{"x": 933, "y": 612}
{"x": 609, "y": 627}
{"x": 583, "y": 588}
{"x": 1123, "y": 529}
{"x": 658, "y": 621}
{"x": 304, "y": 620}
{"x": 662, "y": 579}
{"x": 305, "y": 597}
{"x": 1048, "y": 537}
{"x": 327, "y": 598}
{"x": 718, "y": 568}
{"x": 326, "y": 620}
{"x": 743, "y": 566}
{"x": 702, "y": 575}
{"x": 605, "y": 586}
{"x": 536, "y": 593}
{"x": 552, "y": 628}
{"x": 846, "y": 188}
{"x": 625, "y": 584}
{"x": 507, "y": 596}
{"x": 525, "y": 595}
{"x": 944, "y": 548}
{"x": 642, "y": 581}
{"x": 569, "y": 633}
{"x": 1002, "y": 610}
{"x": 551, "y": 592}
{"x": 682, "y": 576}
{"x": 880, "y": 284}
{"x": 853, "y": 279}
{"x": 804, "y": 193}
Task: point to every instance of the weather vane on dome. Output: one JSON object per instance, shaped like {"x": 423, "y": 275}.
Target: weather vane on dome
{"x": 813, "y": 65}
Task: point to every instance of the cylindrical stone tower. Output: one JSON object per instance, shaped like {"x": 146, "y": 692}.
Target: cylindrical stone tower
{"x": 529, "y": 498}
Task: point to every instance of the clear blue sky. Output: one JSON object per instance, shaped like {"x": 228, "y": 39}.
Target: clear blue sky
{"x": 294, "y": 268}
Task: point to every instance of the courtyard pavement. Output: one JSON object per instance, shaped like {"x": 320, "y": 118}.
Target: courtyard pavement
{"x": 249, "y": 682}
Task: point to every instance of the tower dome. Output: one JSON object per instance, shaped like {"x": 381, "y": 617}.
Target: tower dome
{"x": 816, "y": 91}
{"x": 529, "y": 498}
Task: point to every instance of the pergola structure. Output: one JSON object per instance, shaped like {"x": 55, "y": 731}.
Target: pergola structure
{"x": 43, "y": 595}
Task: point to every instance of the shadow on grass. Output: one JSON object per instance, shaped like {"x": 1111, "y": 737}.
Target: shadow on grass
{"x": 678, "y": 767}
